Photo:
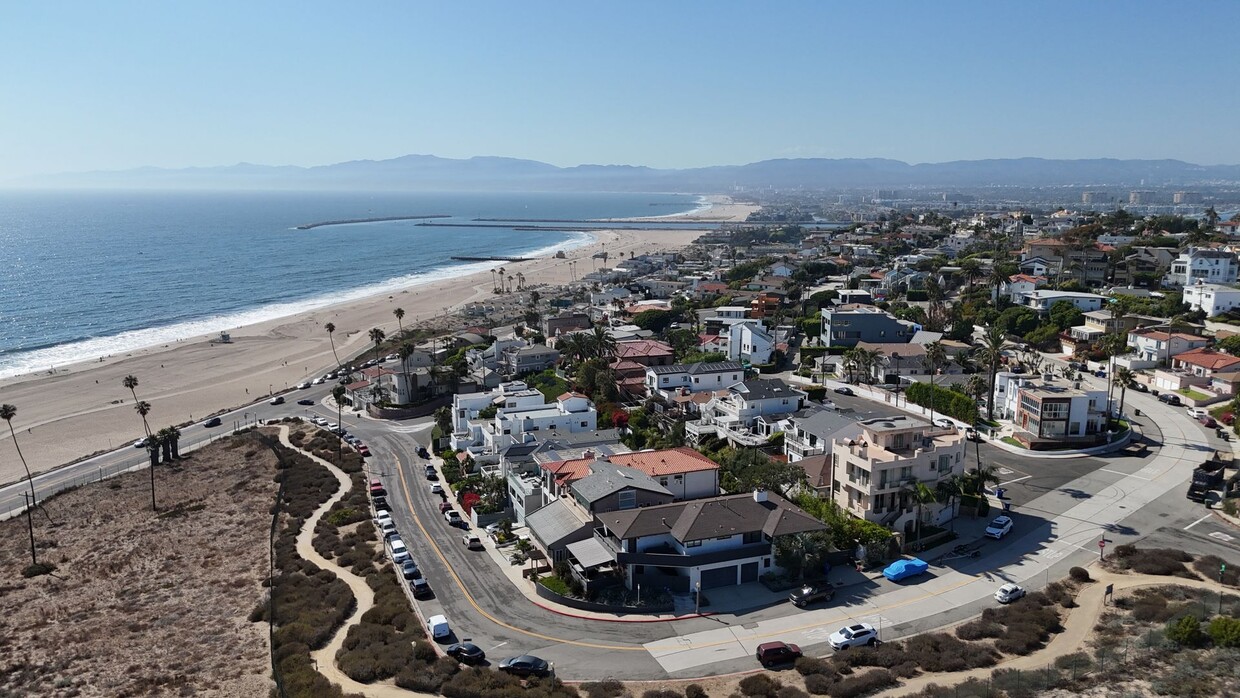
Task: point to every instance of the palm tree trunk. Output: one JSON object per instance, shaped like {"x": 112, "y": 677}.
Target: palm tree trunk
{"x": 176, "y": 442}
{"x": 167, "y": 448}
{"x": 34, "y": 558}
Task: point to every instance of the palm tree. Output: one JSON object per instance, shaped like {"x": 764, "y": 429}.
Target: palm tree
{"x": 949, "y": 490}
{"x": 510, "y": 283}
{"x": 174, "y": 435}
{"x": 976, "y": 387}
{"x": 143, "y": 408}
{"x": 377, "y": 336}
{"x": 406, "y": 350}
{"x": 520, "y": 281}
{"x": 920, "y": 494}
{"x": 400, "y": 327}
{"x": 602, "y": 342}
{"x": 993, "y": 344}
{"x": 975, "y": 481}
{"x": 493, "y": 287}
{"x": 7, "y": 413}
{"x": 850, "y": 363}
{"x": 501, "y": 279}
{"x": 972, "y": 271}
{"x": 338, "y": 393}
{"x": 165, "y": 441}
{"x": 331, "y": 329}
{"x": 1125, "y": 379}
{"x": 934, "y": 360}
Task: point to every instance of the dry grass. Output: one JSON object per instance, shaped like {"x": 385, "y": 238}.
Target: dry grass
{"x": 142, "y": 604}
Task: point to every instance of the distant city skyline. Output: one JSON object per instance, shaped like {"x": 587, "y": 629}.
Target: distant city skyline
{"x": 666, "y": 85}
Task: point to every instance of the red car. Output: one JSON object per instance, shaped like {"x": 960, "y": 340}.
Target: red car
{"x": 376, "y": 489}
{"x": 1208, "y": 421}
{"x": 363, "y": 451}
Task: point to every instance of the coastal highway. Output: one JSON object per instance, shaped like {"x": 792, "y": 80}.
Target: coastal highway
{"x": 127, "y": 457}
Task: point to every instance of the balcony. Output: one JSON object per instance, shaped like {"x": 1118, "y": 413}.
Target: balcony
{"x": 667, "y": 556}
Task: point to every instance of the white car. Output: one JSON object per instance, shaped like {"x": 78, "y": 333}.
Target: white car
{"x": 999, "y": 528}
{"x": 472, "y": 541}
{"x": 857, "y": 635}
{"x": 332, "y": 426}
{"x": 945, "y": 423}
{"x": 320, "y": 380}
{"x": 438, "y": 625}
{"x": 381, "y": 517}
{"x": 436, "y": 488}
{"x": 1009, "y": 593}
{"x": 452, "y": 517}
{"x": 1196, "y": 412}
{"x": 303, "y": 386}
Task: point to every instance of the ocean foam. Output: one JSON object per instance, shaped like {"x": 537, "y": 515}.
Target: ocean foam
{"x": 91, "y": 350}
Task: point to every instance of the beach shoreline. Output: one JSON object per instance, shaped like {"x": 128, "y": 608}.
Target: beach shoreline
{"x": 82, "y": 408}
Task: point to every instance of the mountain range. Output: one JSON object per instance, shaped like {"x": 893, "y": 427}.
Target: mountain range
{"x": 428, "y": 172}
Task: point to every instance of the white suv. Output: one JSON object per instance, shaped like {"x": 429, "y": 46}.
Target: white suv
{"x": 853, "y": 636}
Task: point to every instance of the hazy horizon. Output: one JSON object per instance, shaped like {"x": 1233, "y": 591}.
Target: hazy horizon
{"x": 670, "y": 86}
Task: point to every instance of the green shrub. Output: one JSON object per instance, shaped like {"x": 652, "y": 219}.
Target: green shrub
{"x": 863, "y": 684}
{"x": 609, "y": 688}
{"x": 555, "y": 584}
{"x": 1185, "y": 632}
{"x": 815, "y": 393}
{"x": 1079, "y": 574}
{"x": 812, "y": 665}
{"x": 693, "y": 690}
{"x": 661, "y": 693}
{"x": 944, "y": 401}
{"x": 817, "y": 684}
{"x": 1224, "y": 631}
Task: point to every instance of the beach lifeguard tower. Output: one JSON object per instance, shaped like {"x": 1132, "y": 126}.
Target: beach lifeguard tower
{"x": 225, "y": 338}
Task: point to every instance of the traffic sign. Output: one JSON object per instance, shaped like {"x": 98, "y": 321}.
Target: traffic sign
{"x": 1102, "y": 543}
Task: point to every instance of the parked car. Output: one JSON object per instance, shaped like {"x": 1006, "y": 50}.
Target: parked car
{"x": 140, "y": 442}
{"x": 945, "y": 423}
{"x": 1009, "y": 593}
{"x": 1170, "y": 399}
{"x": 444, "y": 507}
{"x": 971, "y": 434}
{"x": 381, "y": 516}
{"x": 436, "y": 488}
{"x": 303, "y": 386}
{"x": 1100, "y": 373}
{"x": 376, "y": 489}
{"x": 213, "y": 422}
{"x": 903, "y": 569}
{"x": 466, "y": 653}
{"x": 775, "y": 653}
{"x": 438, "y": 625}
{"x": 409, "y": 569}
{"x": 305, "y": 401}
{"x": 380, "y": 504}
{"x": 363, "y": 450}
{"x": 1141, "y": 387}
{"x": 452, "y": 517}
{"x": 1196, "y": 412}
{"x": 423, "y": 453}
{"x": 472, "y": 541}
{"x": 999, "y": 528}
{"x": 844, "y": 390}
{"x": 1207, "y": 421}
{"x": 388, "y": 527}
{"x": 421, "y": 588}
{"x": 859, "y": 635}
{"x": 526, "y": 665}
{"x": 431, "y": 474}
{"x": 277, "y": 400}
{"x": 320, "y": 380}
{"x": 811, "y": 593}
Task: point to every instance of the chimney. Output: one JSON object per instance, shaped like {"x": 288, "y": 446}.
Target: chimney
{"x": 759, "y": 495}
{"x": 588, "y": 454}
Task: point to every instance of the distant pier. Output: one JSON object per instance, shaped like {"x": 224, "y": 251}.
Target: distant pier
{"x": 494, "y": 259}
{"x": 381, "y": 219}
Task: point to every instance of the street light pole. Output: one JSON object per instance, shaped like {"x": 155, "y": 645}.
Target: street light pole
{"x": 698, "y": 611}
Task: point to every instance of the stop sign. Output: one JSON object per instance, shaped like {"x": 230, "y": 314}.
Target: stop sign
{"x": 1102, "y": 543}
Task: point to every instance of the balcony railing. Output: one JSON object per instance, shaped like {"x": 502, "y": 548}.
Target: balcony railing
{"x": 673, "y": 559}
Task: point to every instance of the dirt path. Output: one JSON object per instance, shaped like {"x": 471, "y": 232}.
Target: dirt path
{"x": 1078, "y": 628}
{"x": 325, "y": 659}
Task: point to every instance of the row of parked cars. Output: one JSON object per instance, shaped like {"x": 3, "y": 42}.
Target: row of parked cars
{"x": 464, "y": 651}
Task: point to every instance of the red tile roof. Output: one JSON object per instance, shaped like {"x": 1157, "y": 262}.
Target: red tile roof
{"x": 642, "y": 347}
{"x": 357, "y": 386}
{"x": 1207, "y": 358}
{"x": 670, "y": 461}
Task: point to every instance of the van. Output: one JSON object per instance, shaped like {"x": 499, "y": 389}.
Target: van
{"x": 397, "y": 548}
{"x": 438, "y": 627}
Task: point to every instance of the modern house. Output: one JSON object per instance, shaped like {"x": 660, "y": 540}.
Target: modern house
{"x": 565, "y": 322}
{"x": 1203, "y": 264}
{"x": 875, "y": 461}
{"x": 809, "y": 432}
{"x": 518, "y": 360}
{"x": 487, "y": 423}
{"x": 846, "y": 325}
{"x": 1042, "y": 300}
{"x": 1213, "y": 299}
{"x": 1151, "y": 347}
{"x": 748, "y": 413}
{"x": 717, "y": 542}
{"x": 1098, "y": 324}
{"x": 1049, "y": 416}
{"x": 746, "y": 340}
{"x": 665, "y": 381}
{"x": 1019, "y": 286}
{"x": 685, "y": 473}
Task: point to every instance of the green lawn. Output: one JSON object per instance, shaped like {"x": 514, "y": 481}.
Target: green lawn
{"x": 1194, "y": 394}
{"x": 1012, "y": 441}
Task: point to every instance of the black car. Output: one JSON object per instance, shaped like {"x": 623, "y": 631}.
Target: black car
{"x": 381, "y": 504}
{"x": 1141, "y": 387}
{"x": 525, "y": 665}
{"x": 421, "y": 588}
{"x": 305, "y": 401}
{"x": 423, "y": 453}
{"x": 1170, "y": 399}
{"x": 213, "y": 422}
{"x": 466, "y": 652}
{"x": 277, "y": 400}
{"x": 811, "y": 593}
{"x": 845, "y": 391}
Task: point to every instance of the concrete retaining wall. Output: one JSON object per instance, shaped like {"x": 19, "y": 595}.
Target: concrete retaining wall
{"x": 581, "y": 605}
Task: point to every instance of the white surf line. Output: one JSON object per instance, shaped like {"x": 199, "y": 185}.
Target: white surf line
{"x": 1198, "y": 521}
{"x": 1116, "y": 472}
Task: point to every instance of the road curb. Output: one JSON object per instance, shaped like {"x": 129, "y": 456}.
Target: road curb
{"x": 560, "y": 612}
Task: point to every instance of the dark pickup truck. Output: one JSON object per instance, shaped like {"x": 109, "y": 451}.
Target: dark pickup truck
{"x": 1208, "y": 476}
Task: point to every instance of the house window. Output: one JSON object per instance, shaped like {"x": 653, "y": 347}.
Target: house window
{"x": 663, "y": 481}
{"x": 693, "y": 543}
{"x": 724, "y": 538}
{"x": 752, "y": 537}
{"x": 628, "y": 499}
{"x": 583, "y": 424}
{"x": 766, "y": 562}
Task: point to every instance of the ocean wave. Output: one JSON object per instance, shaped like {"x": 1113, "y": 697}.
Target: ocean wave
{"x": 50, "y": 358}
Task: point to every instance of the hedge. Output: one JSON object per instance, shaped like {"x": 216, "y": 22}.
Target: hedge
{"x": 948, "y": 402}
{"x": 815, "y": 392}
{"x": 808, "y": 353}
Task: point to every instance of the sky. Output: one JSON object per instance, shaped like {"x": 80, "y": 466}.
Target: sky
{"x": 122, "y": 84}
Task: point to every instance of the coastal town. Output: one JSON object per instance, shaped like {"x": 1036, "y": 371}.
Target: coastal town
{"x": 863, "y": 447}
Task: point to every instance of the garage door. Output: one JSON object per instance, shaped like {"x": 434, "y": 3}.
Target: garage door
{"x": 749, "y": 572}
{"x": 722, "y": 577}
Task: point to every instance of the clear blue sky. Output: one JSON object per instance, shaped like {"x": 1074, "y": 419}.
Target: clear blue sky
{"x": 119, "y": 84}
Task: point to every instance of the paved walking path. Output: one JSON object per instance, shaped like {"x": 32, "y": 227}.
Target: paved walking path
{"x": 325, "y": 659}
{"x": 1078, "y": 629}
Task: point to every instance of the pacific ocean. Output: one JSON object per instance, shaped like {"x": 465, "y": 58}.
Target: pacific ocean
{"x": 93, "y": 273}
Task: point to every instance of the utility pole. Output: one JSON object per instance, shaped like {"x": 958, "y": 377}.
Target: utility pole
{"x": 1221, "y": 569}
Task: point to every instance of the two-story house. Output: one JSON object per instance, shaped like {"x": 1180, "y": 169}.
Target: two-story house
{"x": 717, "y": 542}
{"x": 875, "y": 462}
{"x": 1042, "y": 300}
{"x": 1203, "y": 264}
{"x": 748, "y": 413}
{"x": 1097, "y": 324}
{"x": 809, "y": 432}
{"x": 846, "y": 325}
{"x": 1213, "y": 299}
{"x": 487, "y": 423}
{"x": 667, "y": 381}
{"x": 745, "y": 340}
{"x": 1019, "y": 286}
{"x": 1051, "y": 416}
{"x": 1153, "y": 347}
{"x": 519, "y": 360}
{"x": 565, "y": 322}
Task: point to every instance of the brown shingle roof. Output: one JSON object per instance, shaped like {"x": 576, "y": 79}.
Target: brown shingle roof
{"x": 712, "y": 518}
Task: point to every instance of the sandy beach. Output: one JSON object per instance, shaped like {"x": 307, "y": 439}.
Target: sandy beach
{"x": 83, "y": 409}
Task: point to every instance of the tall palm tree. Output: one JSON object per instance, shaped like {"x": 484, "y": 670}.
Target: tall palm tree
{"x": 520, "y": 281}
{"x": 131, "y": 382}
{"x": 501, "y": 279}
{"x": 976, "y": 387}
{"x": 405, "y": 351}
{"x": 377, "y": 336}
{"x": 493, "y": 286}
{"x": 338, "y": 393}
{"x": 602, "y": 342}
{"x": 331, "y": 329}
{"x": 851, "y": 358}
{"x": 934, "y": 360}
{"x": 993, "y": 344}
{"x": 174, "y": 435}
{"x": 1125, "y": 379}
{"x": 165, "y": 441}
{"x": 143, "y": 408}
{"x": 400, "y": 327}
{"x": 7, "y": 413}
{"x": 972, "y": 271}
{"x": 949, "y": 490}
{"x": 920, "y": 494}
{"x": 510, "y": 277}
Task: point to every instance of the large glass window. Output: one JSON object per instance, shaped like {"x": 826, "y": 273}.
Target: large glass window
{"x": 628, "y": 499}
